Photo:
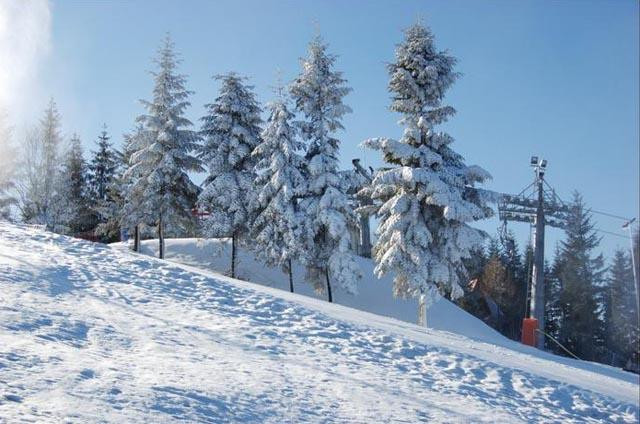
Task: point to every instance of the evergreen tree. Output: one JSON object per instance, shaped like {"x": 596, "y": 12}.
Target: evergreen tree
{"x": 497, "y": 284}
{"x": 105, "y": 199}
{"x": 71, "y": 198}
{"x": 513, "y": 308}
{"x": 552, "y": 305}
{"x": 510, "y": 255}
{"x": 278, "y": 224}
{"x": 135, "y": 212}
{"x": 580, "y": 275}
{"x": 427, "y": 194}
{"x": 161, "y": 163}
{"x": 473, "y": 300}
{"x": 527, "y": 266}
{"x": 621, "y": 318}
{"x": 40, "y": 166}
{"x": 476, "y": 262}
{"x": 318, "y": 93}
{"x": 102, "y": 168}
{"x": 110, "y": 210}
{"x": 494, "y": 249}
{"x": 231, "y": 131}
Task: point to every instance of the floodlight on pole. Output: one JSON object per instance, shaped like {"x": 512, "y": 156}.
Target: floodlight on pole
{"x": 539, "y": 165}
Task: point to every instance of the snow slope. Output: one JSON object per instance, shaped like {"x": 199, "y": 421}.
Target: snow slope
{"x": 92, "y": 334}
{"x": 374, "y": 295}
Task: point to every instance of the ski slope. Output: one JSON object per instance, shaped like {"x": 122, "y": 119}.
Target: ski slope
{"x": 89, "y": 333}
{"x": 374, "y": 295}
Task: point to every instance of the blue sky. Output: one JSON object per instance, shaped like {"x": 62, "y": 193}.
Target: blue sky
{"x": 553, "y": 78}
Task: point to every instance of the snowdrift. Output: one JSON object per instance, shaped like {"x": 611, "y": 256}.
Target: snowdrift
{"x": 89, "y": 333}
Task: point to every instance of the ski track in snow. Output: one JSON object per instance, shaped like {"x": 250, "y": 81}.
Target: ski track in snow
{"x": 91, "y": 334}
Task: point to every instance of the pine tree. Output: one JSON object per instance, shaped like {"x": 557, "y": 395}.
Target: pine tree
{"x": 514, "y": 308}
{"x": 231, "y": 131}
{"x": 473, "y": 300}
{"x": 110, "y": 210}
{"x": 51, "y": 140}
{"x": 102, "y": 168}
{"x": 161, "y": 163}
{"x": 104, "y": 198}
{"x": 318, "y": 93}
{"x": 135, "y": 212}
{"x": 494, "y": 249}
{"x": 552, "y": 306}
{"x": 498, "y": 285}
{"x": 71, "y": 199}
{"x": 277, "y": 227}
{"x": 427, "y": 194}
{"x": 621, "y": 319}
{"x": 40, "y": 166}
{"x": 580, "y": 275}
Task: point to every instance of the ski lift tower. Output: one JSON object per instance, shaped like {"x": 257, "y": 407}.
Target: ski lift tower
{"x": 539, "y": 206}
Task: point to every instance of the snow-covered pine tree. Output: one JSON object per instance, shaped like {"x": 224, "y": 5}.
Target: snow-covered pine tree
{"x": 110, "y": 210}
{"x": 621, "y": 319}
{"x": 158, "y": 168}
{"x": 580, "y": 274}
{"x": 107, "y": 187}
{"x": 133, "y": 212}
{"x": 105, "y": 196}
{"x": 102, "y": 168}
{"x": 277, "y": 224}
{"x": 427, "y": 195}
{"x": 318, "y": 93}
{"x": 51, "y": 139}
{"x": 73, "y": 214}
{"x": 39, "y": 169}
{"x": 231, "y": 131}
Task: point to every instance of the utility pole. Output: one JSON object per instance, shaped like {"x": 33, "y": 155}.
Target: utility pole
{"x": 539, "y": 207}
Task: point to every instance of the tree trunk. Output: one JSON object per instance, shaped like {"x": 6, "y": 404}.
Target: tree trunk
{"x": 329, "y": 295}
{"x": 422, "y": 309}
{"x": 160, "y": 237}
{"x": 233, "y": 255}
{"x": 136, "y": 238}
{"x": 290, "y": 277}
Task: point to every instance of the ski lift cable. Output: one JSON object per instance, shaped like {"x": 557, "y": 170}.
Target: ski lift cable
{"x": 609, "y": 214}
{"x": 611, "y": 233}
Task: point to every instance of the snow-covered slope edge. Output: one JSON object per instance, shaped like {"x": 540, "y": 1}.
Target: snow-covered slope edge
{"x": 90, "y": 334}
{"x": 374, "y": 295}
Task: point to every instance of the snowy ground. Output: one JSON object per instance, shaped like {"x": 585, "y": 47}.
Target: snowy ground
{"x": 374, "y": 295}
{"x": 89, "y": 333}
